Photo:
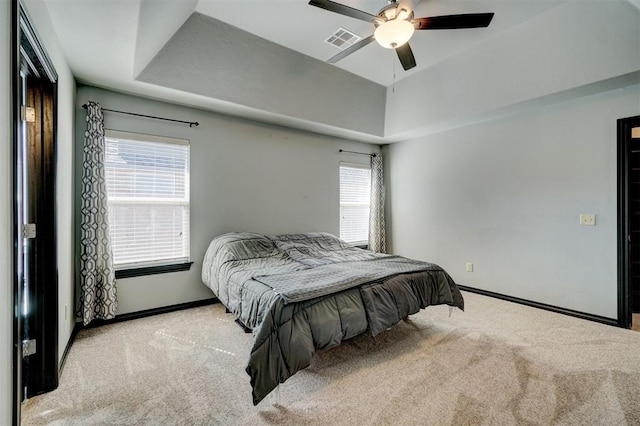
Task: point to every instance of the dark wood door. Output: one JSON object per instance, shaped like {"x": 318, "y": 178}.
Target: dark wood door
{"x": 634, "y": 218}
{"x": 40, "y": 283}
{"x": 634, "y": 226}
{"x": 628, "y": 219}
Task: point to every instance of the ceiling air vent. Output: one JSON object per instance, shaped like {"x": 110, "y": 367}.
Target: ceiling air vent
{"x": 343, "y": 38}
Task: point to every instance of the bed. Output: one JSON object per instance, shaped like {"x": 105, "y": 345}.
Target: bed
{"x": 300, "y": 293}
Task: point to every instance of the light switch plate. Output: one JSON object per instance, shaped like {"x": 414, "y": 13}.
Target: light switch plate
{"x": 588, "y": 219}
{"x": 469, "y": 267}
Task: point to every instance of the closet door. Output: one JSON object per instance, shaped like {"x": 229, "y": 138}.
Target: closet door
{"x": 39, "y": 257}
{"x": 628, "y": 221}
{"x": 634, "y": 218}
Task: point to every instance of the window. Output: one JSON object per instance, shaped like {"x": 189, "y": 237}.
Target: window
{"x": 148, "y": 196}
{"x": 355, "y": 193}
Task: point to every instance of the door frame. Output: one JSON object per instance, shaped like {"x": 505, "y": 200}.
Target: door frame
{"x": 26, "y": 48}
{"x": 15, "y": 129}
{"x": 624, "y": 138}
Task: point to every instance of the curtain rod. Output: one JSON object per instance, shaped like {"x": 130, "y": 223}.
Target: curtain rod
{"x": 359, "y": 153}
{"x": 190, "y": 123}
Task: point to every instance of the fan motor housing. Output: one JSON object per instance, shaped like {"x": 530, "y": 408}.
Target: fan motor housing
{"x": 391, "y": 11}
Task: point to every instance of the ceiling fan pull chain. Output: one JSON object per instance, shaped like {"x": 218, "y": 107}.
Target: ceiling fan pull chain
{"x": 393, "y": 86}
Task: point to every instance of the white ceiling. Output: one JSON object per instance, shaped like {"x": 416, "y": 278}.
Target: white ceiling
{"x": 109, "y": 43}
{"x": 298, "y": 26}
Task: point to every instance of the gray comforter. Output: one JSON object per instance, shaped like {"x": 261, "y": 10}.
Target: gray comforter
{"x": 306, "y": 292}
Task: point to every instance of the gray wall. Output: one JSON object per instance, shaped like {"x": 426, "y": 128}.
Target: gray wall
{"x": 245, "y": 176}
{"x": 251, "y": 71}
{"x": 506, "y": 196}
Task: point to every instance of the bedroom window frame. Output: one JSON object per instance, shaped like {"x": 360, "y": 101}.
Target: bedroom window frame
{"x": 350, "y": 165}
{"x": 158, "y": 265}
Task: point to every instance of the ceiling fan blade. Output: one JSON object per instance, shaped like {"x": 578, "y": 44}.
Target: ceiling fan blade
{"x": 349, "y": 50}
{"x": 343, "y": 10}
{"x": 453, "y": 22}
{"x": 406, "y": 57}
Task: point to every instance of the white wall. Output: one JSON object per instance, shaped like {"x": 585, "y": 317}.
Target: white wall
{"x": 39, "y": 16}
{"x": 506, "y": 196}
{"x": 245, "y": 176}
{"x": 6, "y": 233}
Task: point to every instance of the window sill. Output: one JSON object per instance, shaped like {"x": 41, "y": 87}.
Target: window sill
{"x": 151, "y": 270}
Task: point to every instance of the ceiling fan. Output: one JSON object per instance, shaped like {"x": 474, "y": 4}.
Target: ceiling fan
{"x": 395, "y": 24}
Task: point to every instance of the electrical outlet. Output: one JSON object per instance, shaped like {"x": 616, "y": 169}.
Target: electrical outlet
{"x": 66, "y": 311}
{"x": 469, "y": 267}
{"x": 588, "y": 219}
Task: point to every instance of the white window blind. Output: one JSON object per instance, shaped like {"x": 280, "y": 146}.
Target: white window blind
{"x": 355, "y": 194}
{"x": 148, "y": 196}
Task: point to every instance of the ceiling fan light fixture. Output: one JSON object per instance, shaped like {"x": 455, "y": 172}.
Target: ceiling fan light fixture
{"x": 404, "y": 14}
{"x": 393, "y": 33}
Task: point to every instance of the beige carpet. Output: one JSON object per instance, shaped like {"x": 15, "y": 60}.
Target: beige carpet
{"x": 498, "y": 363}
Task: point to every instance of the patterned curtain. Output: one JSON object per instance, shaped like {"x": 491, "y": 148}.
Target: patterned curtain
{"x": 377, "y": 237}
{"x": 97, "y": 276}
